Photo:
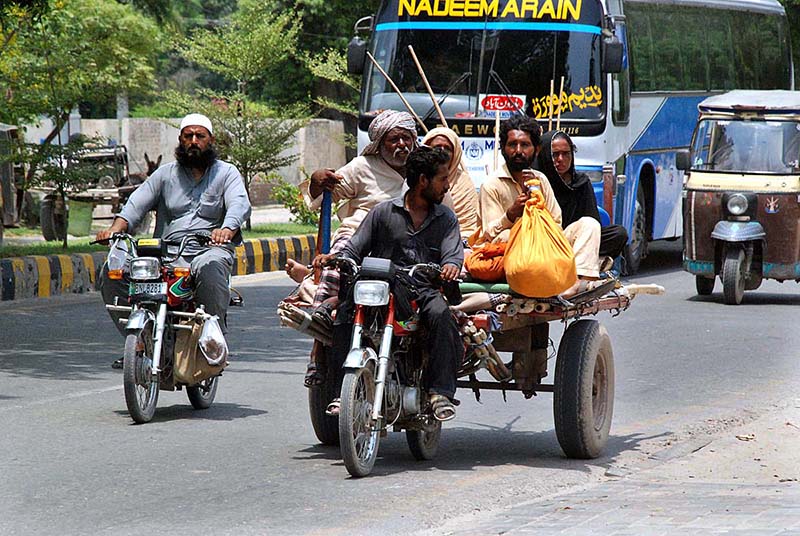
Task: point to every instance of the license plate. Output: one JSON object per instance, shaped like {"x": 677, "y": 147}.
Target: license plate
{"x": 148, "y": 288}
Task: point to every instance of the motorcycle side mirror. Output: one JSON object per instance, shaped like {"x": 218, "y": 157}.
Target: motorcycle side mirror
{"x": 682, "y": 160}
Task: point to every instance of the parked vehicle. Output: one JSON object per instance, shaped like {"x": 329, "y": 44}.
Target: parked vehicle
{"x": 741, "y": 192}
{"x": 164, "y": 325}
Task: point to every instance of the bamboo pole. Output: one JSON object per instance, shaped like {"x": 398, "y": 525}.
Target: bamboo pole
{"x": 399, "y": 93}
{"x": 496, "y": 137}
{"x": 558, "y": 117}
{"x": 550, "y": 114}
{"x": 428, "y": 87}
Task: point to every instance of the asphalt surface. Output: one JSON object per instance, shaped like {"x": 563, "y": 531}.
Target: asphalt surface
{"x": 690, "y": 372}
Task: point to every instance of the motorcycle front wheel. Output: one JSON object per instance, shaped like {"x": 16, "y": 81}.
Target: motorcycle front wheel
{"x": 358, "y": 436}
{"x": 141, "y": 388}
{"x": 202, "y": 395}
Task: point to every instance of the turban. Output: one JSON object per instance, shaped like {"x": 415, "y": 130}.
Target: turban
{"x": 383, "y": 123}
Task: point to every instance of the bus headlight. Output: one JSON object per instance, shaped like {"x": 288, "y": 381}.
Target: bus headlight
{"x": 371, "y": 293}
{"x": 737, "y": 204}
{"x": 145, "y": 268}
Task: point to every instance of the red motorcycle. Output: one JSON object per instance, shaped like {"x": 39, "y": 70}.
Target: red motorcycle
{"x": 164, "y": 324}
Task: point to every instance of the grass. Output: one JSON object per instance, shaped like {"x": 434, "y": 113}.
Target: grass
{"x": 81, "y": 245}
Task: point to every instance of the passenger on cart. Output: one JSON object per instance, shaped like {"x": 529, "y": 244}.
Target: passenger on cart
{"x": 504, "y": 194}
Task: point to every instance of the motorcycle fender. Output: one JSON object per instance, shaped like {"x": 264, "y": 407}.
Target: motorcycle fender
{"x": 358, "y": 358}
{"x": 138, "y": 319}
{"x": 738, "y": 231}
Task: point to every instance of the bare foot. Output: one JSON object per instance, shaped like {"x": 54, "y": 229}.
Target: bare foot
{"x": 296, "y": 271}
{"x": 581, "y": 285}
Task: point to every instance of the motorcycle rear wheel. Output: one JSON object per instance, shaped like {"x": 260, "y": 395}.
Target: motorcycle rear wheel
{"x": 424, "y": 443}
{"x": 358, "y": 436}
{"x": 202, "y": 395}
{"x": 141, "y": 388}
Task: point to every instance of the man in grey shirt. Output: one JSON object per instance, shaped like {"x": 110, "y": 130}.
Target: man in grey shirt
{"x": 197, "y": 192}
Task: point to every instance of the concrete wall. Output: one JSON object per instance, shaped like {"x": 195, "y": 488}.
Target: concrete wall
{"x": 319, "y": 144}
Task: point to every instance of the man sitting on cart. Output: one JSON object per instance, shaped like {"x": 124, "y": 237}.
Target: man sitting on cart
{"x": 411, "y": 229}
{"x": 503, "y": 197}
{"x": 197, "y": 192}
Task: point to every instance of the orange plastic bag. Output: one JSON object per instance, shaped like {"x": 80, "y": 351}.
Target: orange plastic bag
{"x": 539, "y": 261}
{"x": 486, "y": 263}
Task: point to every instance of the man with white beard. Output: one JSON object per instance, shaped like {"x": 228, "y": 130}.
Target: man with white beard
{"x": 375, "y": 176}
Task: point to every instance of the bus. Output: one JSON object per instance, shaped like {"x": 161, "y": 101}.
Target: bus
{"x": 622, "y": 77}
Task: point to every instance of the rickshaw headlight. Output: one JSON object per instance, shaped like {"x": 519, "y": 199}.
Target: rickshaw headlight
{"x": 144, "y": 268}
{"x": 737, "y": 204}
{"x": 371, "y": 293}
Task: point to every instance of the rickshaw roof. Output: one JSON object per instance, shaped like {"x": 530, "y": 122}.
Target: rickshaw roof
{"x": 765, "y": 102}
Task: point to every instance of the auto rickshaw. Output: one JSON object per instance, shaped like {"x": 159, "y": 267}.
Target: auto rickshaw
{"x": 741, "y": 195}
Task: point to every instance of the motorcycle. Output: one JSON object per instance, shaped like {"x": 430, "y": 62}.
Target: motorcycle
{"x": 164, "y": 324}
{"x": 384, "y": 369}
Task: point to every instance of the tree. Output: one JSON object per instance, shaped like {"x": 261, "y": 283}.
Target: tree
{"x": 253, "y": 45}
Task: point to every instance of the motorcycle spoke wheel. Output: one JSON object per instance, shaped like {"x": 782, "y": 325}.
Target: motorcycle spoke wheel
{"x": 358, "y": 435}
{"x": 202, "y": 395}
{"x": 140, "y": 386}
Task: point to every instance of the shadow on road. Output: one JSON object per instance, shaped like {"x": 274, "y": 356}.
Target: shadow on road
{"x": 464, "y": 449}
{"x": 222, "y": 411}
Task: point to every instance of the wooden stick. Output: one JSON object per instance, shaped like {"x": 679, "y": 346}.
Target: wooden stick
{"x": 558, "y": 117}
{"x": 399, "y": 93}
{"x": 428, "y": 87}
{"x": 496, "y": 136}
{"x": 550, "y": 115}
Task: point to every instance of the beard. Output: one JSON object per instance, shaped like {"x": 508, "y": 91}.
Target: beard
{"x": 397, "y": 158}
{"x": 193, "y": 157}
{"x": 430, "y": 195}
{"x": 517, "y": 162}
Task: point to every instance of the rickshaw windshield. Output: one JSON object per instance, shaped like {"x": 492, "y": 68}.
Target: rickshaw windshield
{"x": 747, "y": 146}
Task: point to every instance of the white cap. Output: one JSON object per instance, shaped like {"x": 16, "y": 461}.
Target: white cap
{"x": 196, "y": 120}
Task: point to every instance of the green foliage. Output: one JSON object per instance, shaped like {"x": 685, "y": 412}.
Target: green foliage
{"x": 79, "y": 50}
{"x": 254, "y": 44}
{"x": 331, "y": 65}
{"x": 290, "y": 197}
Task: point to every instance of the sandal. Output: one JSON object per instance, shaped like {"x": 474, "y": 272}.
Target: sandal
{"x": 314, "y": 375}
{"x": 443, "y": 410}
{"x": 332, "y": 410}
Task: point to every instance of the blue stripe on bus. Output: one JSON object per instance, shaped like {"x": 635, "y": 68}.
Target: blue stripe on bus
{"x": 672, "y": 125}
{"x": 523, "y": 26}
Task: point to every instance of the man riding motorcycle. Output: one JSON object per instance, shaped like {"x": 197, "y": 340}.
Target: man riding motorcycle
{"x": 411, "y": 229}
{"x": 197, "y": 192}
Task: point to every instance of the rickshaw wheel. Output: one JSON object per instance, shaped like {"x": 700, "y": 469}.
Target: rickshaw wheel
{"x": 733, "y": 276}
{"x": 583, "y": 395}
{"x": 704, "y": 285}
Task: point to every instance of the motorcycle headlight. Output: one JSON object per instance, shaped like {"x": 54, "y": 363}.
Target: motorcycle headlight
{"x": 737, "y": 204}
{"x": 371, "y": 293}
{"x": 144, "y": 268}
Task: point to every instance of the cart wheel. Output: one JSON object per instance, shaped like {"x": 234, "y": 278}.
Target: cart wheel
{"x": 583, "y": 395}
{"x": 326, "y": 428}
{"x": 704, "y": 285}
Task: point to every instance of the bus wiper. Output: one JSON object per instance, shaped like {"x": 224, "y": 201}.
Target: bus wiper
{"x": 504, "y": 90}
{"x": 451, "y": 87}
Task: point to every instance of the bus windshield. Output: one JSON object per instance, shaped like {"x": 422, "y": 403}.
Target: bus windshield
{"x": 478, "y": 67}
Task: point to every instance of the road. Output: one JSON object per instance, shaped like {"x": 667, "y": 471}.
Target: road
{"x": 687, "y": 368}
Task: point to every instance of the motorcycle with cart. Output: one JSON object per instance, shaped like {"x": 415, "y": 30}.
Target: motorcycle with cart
{"x": 171, "y": 341}
{"x": 383, "y": 381}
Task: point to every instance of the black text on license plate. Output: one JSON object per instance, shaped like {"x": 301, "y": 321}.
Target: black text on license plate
{"x": 148, "y": 288}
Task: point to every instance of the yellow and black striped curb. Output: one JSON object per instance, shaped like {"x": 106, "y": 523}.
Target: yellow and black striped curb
{"x": 41, "y": 276}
